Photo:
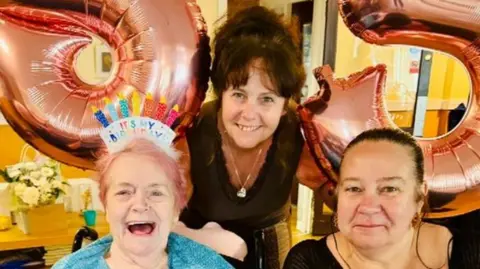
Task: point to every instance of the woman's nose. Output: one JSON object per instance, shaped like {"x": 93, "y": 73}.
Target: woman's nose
{"x": 369, "y": 204}
{"x": 249, "y": 111}
{"x": 140, "y": 203}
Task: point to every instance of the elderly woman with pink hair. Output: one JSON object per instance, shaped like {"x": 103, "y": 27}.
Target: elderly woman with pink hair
{"x": 143, "y": 191}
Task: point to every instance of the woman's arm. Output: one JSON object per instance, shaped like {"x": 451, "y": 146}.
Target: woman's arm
{"x": 212, "y": 235}
{"x": 215, "y": 237}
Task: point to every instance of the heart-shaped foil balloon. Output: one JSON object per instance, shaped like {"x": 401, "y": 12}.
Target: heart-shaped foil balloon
{"x": 158, "y": 47}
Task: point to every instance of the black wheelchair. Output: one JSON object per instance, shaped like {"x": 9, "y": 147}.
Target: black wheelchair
{"x": 83, "y": 233}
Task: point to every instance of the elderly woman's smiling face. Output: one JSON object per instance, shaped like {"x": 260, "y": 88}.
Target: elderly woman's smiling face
{"x": 377, "y": 194}
{"x": 140, "y": 204}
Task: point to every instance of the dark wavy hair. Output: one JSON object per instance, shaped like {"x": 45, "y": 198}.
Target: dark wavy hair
{"x": 257, "y": 33}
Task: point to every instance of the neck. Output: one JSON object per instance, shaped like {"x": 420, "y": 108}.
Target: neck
{"x": 119, "y": 258}
{"x": 397, "y": 255}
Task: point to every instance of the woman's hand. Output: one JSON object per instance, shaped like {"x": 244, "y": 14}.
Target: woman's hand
{"x": 214, "y": 236}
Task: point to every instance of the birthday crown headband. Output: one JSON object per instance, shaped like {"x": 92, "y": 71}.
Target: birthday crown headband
{"x": 153, "y": 122}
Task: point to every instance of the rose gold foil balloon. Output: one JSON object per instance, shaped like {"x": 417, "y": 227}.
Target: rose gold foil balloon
{"x": 452, "y": 162}
{"x": 158, "y": 46}
{"x": 342, "y": 109}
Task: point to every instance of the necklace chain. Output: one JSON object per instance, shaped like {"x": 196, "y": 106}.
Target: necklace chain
{"x": 242, "y": 192}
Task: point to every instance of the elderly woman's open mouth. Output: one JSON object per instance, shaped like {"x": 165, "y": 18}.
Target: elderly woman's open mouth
{"x": 141, "y": 228}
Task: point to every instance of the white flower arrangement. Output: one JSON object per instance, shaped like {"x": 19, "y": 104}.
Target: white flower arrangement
{"x": 35, "y": 184}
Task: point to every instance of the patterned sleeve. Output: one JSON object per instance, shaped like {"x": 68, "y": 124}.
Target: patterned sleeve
{"x": 466, "y": 240}
{"x": 302, "y": 256}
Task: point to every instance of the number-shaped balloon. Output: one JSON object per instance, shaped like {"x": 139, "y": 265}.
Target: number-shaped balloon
{"x": 452, "y": 162}
{"x": 158, "y": 47}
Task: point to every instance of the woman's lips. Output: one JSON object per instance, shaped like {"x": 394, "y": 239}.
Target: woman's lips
{"x": 141, "y": 228}
{"x": 368, "y": 226}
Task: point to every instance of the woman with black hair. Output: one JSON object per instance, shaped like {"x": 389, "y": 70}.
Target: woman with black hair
{"x": 246, "y": 147}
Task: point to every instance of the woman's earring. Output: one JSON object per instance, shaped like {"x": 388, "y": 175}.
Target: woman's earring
{"x": 416, "y": 219}
{"x": 335, "y": 220}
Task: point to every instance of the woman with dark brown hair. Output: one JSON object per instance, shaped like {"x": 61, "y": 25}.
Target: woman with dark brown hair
{"x": 246, "y": 147}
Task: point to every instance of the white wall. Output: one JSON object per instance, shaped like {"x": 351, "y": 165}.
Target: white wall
{"x": 2, "y": 119}
{"x": 212, "y": 10}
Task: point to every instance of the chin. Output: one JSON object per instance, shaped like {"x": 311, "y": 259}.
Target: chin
{"x": 245, "y": 144}
{"x": 368, "y": 242}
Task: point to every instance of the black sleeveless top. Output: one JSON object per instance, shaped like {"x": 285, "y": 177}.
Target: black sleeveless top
{"x": 312, "y": 254}
{"x": 215, "y": 199}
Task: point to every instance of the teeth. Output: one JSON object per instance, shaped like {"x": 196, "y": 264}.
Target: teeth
{"x": 247, "y": 128}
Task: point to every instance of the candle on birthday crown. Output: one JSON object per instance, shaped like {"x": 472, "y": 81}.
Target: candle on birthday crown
{"x": 123, "y": 105}
{"x": 111, "y": 108}
{"x": 100, "y": 116}
{"x": 136, "y": 103}
{"x": 148, "y": 106}
{"x": 161, "y": 109}
{"x": 172, "y": 116}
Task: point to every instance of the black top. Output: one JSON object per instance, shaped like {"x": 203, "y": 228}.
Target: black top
{"x": 214, "y": 198}
{"x": 465, "y": 254}
{"x": 310, "y": 254}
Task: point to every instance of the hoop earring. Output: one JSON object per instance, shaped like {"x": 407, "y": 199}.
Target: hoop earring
{"x": 416, "y": 219}
{"x": 335, "y": 220}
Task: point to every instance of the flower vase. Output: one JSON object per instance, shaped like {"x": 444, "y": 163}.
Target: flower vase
{"x": 42, "y": 220}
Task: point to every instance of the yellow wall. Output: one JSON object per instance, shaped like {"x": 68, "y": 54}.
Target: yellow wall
{"x": 11, "y": 146}
{"x": 449, "y": 81}
{"x": 86, "y": 66}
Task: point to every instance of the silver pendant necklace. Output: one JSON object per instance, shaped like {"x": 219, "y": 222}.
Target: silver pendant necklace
{"x": 242, "y": 193}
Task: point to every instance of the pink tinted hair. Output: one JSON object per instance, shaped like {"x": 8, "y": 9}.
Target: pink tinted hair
{"x": 144, "y": 147}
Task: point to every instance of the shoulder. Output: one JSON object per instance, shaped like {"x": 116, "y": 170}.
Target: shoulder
{"x": 307, "y": 254}
{"x": 440, "y": 232}
{"x": 88, "y": 257}
{"x": 429, "y": 235}
{"x": 436, "y": 235}
{"x": 309, "y": 245}
{"x": 465, "y": 252}
{"x": 184, "y": 252}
